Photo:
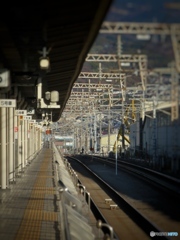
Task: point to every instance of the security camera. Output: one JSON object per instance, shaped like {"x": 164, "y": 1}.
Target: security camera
{"x": 4, "y": 78}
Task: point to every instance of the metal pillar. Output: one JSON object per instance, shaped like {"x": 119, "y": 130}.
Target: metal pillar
{"x": 174, "y": 95}
{"x": 25, "y": 141}
{"x": 39, "y": 138}
{"x": 100, "y": 131}
{"x": 122, "y": 84}
{"x": 95, "y": 134}
{"x": 91, "y": 133}
{"x": 143, "y": 74}
{"x": 116, "y": 150}
{"x": 154, "y": 133}
{"x": 141, "y": 136}
{"x": 87, "y": 138}
{"x": 34, "y": 140}
{"x": 7, "y": 148}
{"x": 74, "y": 139}
{"x": 16, "y": 143}
{"x": 19, "y": 147}
{"x": 3, "y": 154}
{"x": 11, "y": 145}
{"x": 81, "y": 132}
{"x": 77, "y": 140}
{"x": 109, "y": 130}
{"x": 31, "y": 144}
{"x": 175, "y": 37}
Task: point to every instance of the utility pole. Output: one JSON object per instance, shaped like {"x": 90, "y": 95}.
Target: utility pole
{"x": 122, "y": 83}
{"x": 109, "y": 121}
{"x": 100, "y": 131}
{"x": 95, "y": 133}
{"x": 109, "y": 128}
{"x": 154, "y": 132}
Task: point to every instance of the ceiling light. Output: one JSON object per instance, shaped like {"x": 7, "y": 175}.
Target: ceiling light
{"x": 44, "y": 63}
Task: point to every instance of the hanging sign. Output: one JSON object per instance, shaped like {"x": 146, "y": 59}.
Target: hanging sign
{"x": 20, "y": 112}
{"x": 7, "y": 103}
{"x": 32, "y": 121}
{"x": 27, "y": 117}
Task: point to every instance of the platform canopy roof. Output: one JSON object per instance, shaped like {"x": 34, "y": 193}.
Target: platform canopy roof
{"x": 65, "y": 30}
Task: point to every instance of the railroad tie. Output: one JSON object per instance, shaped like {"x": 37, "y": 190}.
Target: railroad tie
{"x": 113, "y": 206}
{"x": 108, "y": 200}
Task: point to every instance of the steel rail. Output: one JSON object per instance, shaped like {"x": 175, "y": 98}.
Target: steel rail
{"x": 166, "y": 182}
{"x": 146, "y": 225}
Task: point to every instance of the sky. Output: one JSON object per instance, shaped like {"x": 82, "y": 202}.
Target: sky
{"x": 165, "y": 11}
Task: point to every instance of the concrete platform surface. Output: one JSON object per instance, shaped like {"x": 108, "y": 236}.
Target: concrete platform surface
{"x": 29, "y": 209}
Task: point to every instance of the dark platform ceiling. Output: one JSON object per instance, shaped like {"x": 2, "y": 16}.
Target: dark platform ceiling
{"x": 67, "y": 28}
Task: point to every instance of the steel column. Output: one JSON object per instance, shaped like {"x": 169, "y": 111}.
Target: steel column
{"x": 32, "y": 142}
{"x": 23, "y": 144}
{"x": 95, "y": 134}
{"x": 109, "y": 129}
{"x": 16, "y": 144}
{"x": 29, "y": 142}
{"x": 19, "y": 149}
{"x": 3, "y": 154}
{"x": 11, "y": 144}
{"x": 36, "y": 138}
{"x": 25, "y": 141}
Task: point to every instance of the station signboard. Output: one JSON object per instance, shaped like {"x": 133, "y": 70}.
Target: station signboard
{"x": 8, "y": 103}
{"x": 32, "y": 121}
{"x": 20, "y": 112}
{"x": 27, "y": 117}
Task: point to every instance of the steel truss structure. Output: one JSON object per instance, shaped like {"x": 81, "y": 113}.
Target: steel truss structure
{"x": 147, "y": 28}
{"x": 159, "y": 29}
{"x": 89, "y": 99}
{"x": 114, "y": 58}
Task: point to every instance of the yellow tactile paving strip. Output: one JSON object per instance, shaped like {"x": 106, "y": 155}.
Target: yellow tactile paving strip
{"x": 30, "y": 228}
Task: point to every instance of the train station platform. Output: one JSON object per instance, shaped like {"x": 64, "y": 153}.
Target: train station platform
{"x": 37, "y": 207}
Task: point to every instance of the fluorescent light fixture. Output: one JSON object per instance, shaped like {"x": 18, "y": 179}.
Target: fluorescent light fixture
{"x": 44, "y": 63}
{"x": 108, "y": 80}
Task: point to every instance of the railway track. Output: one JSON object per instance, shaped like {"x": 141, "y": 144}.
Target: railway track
{"x": 167, "y": 183}
{"x": 112, "y": 207}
